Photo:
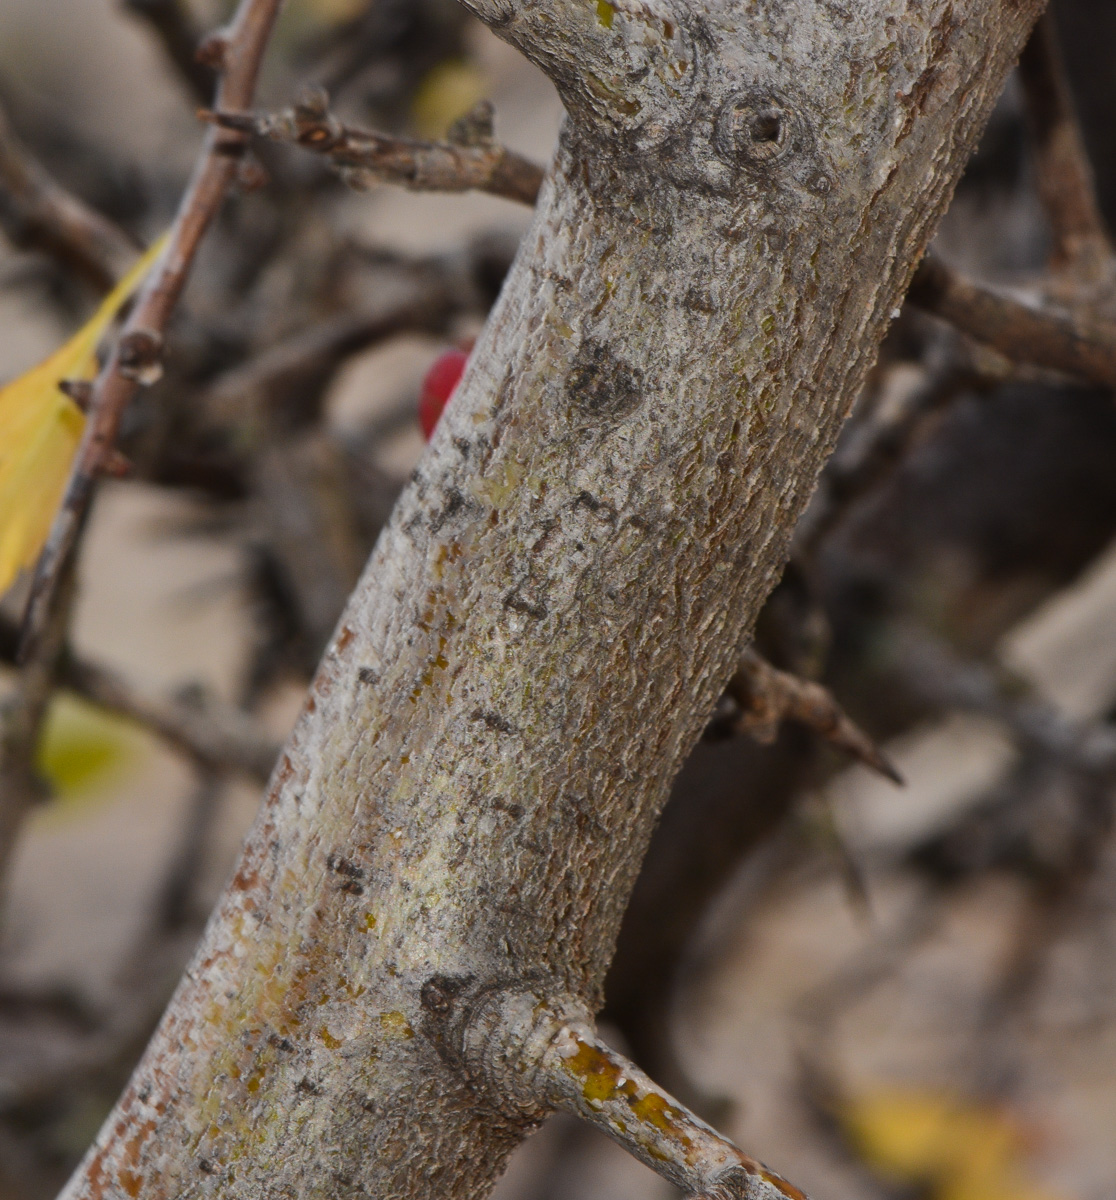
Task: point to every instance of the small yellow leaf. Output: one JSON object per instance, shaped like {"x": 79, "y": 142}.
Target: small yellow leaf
{"x": 448, "y": 91}
{"x": 40, "y": 427}
{"x": 82, "y": 745}
{"x": 958, "y": 1149}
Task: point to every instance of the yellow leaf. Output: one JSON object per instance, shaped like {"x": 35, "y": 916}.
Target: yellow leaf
{"x": 447, "y": 92}
{"x": 961, "y": 1150}
{"x": 82, "y": 746}
{"x": 40, "y": 427}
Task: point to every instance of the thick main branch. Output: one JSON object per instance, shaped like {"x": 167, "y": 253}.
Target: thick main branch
{"x": 566, "y": 585}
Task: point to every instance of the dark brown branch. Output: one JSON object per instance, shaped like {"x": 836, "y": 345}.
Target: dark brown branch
{"x": 1039, "y": 335}
{"x": 767, "y": 697}
{"x": 38, "y": 213}
{"x": 137, "y": 357}
{"x": 1065, "y": 175}
{"x": 172, "y": 24}
{"x": 475, "y": 163}
{"x": 313, "y": 354}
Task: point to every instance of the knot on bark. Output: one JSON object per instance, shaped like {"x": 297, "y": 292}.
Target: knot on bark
{"x": 499, "y": 1036}
{"x": 762, "y": 132}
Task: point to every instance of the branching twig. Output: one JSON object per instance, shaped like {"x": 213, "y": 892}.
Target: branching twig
{"x": 1039, "y": 335}
{"x": 768, "y": 696}
{"x": 472, "y": 163}
{"x": 138, "y": 354}
{"x": 36, "y": 211}
{"x": 215, "y": 735}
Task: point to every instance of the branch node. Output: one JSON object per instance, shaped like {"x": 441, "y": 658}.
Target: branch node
{"x": 767, "y": 696}
{"x": 140, "y": 356}
{"x": 213, "y": 50}
{"x": 530, "y": 1049}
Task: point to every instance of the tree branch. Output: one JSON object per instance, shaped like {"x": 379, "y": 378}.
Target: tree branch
{"x": 532, "y": 1051}
{"x": 1062, "y": 167}
{"x": 365, "y": 157}
{"x": 1040, "y": 335}
{"x": 138, "y": 354}
{"x": 36, "y": 211}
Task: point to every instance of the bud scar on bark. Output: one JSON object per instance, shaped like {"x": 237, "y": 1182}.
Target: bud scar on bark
{"x": 528, "y": 1050}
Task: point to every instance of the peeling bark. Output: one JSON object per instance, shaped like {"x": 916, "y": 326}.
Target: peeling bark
{"x": 739, "y": 199}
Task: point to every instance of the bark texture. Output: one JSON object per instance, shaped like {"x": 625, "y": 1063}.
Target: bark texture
{"x": 740, "y": 196}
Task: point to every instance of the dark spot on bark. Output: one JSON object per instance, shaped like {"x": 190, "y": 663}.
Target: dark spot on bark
{"x": 308, "y": 1086}
{"x": 352, "y": 888}
{"x": 699, "y": 300}
{"x": 342, "y": 866}
{"x": 370, "y": 1106}
{"x": 492, "y": 720}
{"x": 455, "y": 502}
{"x": 513, "y": 809}
{"x": 601, "y": 385}
{"x": 517, "y": 602}
{"x": 281, "y": 1043}
{"x": 367, "y": 675}
{"x": 599, "y": 508}
{"x": 463, "y": 445}
{"x": 439, "y": 992}
{"x": 206, "y": 1167}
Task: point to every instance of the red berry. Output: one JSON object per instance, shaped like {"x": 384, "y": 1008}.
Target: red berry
{"x": 438, "y": 386}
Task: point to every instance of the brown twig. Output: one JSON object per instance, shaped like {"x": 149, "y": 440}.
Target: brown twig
{"x": 472, "y": 162}
{"x": 1065, "y": 175}
{"x": 170, "y": 21}
{"x": 138, "y": 354}
{"x": 1039, "y": 335}
{"x": 215, "y": 735}
{"x": 37, "y": 212}
{"x": 295, "y": 363}
{"x": 767, "y": 696}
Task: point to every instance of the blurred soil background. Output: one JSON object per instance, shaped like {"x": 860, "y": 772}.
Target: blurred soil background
{"x": 882, "y": 992}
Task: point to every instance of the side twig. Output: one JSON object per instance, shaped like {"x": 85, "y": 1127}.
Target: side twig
{"x": 138, "y": 355}
{"x": 767, "y": 696}
{"x": 38, "y": 213}
{"x": 1040, "y": 335}
{"x": 470, "y": 161}
{"x": 215, "y": 735}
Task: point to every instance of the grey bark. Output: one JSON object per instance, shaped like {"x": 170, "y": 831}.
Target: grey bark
{"x": 738, "y": 201}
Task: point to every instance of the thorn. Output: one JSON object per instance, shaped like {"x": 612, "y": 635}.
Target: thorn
{"x": 475, "y": 128}
{"x": 140, "y": 356}
{"x": 213, "y": 50}
{"x": 117, "y": 465}
{"x": 312, "y": 103}
{"x": 80, "y": 392}
{"x": 767, "y": 696}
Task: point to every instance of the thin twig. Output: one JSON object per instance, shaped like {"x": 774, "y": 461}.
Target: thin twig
{"x": 175, "y": 29}
{"x": 295, "y": 362}
{"x": 38, "y": 212}
{"x": 1040, "y": 335}
{"x": 1065, "y": 175}
{"x": 215, "y": 735}
{"x": 933, "y": 670}
{"x": 473, "y": 163}
{"x": 767, "y": 696}
{"x": 138, "y": 354}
